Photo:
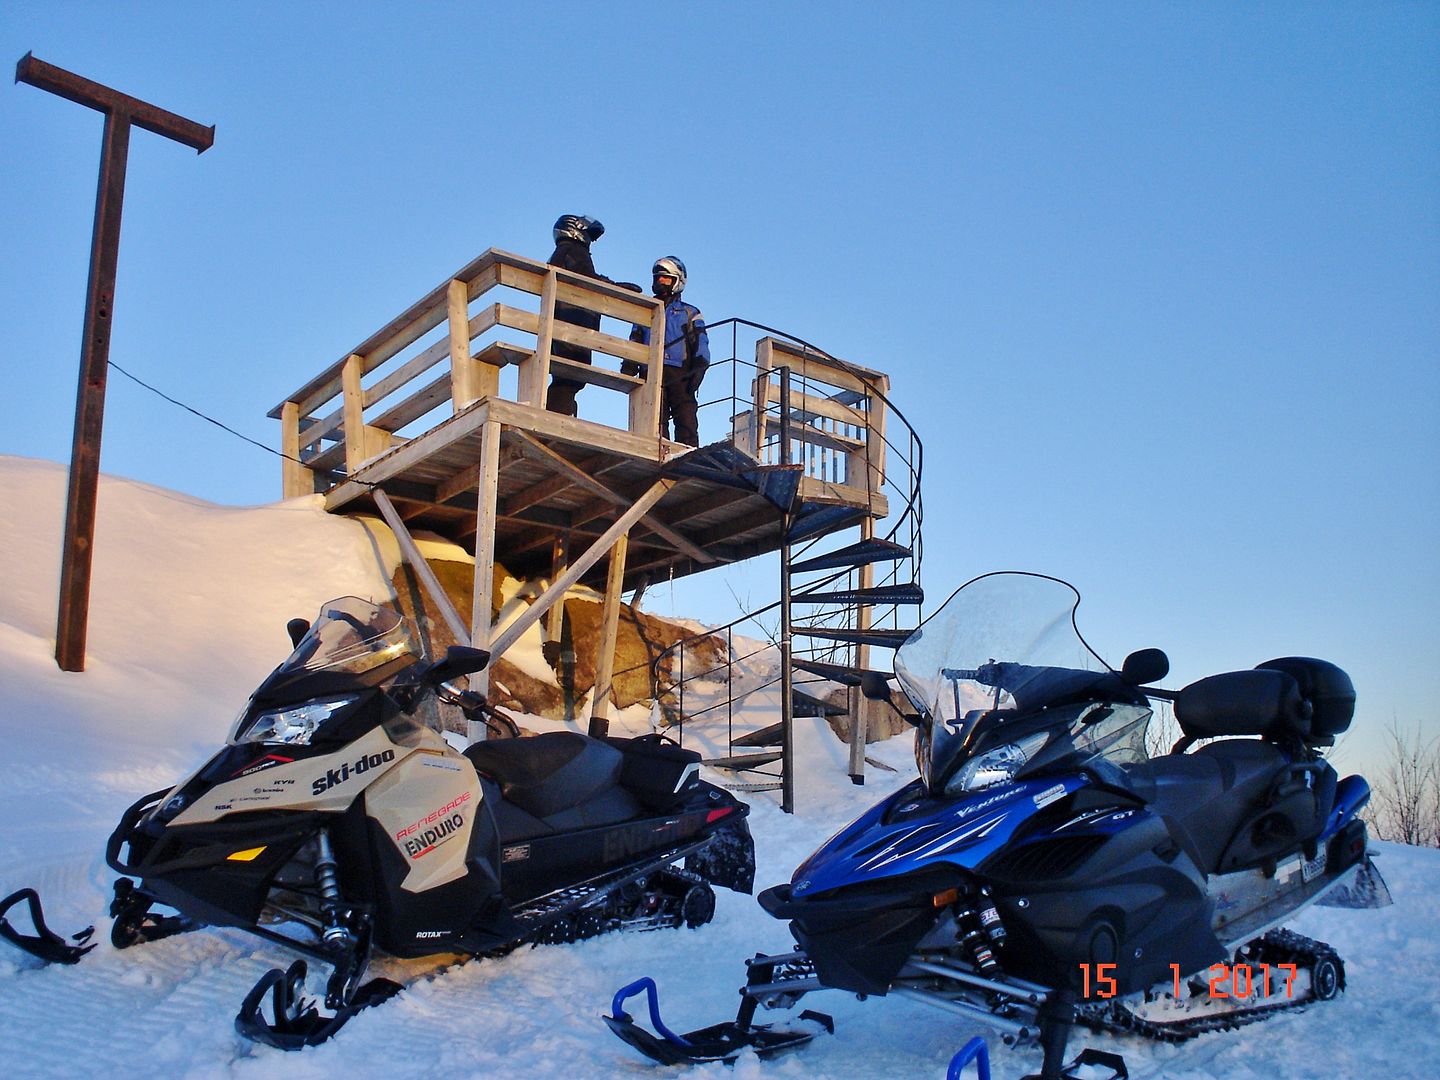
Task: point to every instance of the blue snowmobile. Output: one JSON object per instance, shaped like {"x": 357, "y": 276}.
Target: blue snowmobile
{"x": 1044, "y": 870}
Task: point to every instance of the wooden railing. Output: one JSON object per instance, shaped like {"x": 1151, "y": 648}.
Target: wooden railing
{"x": 367, "y": 401}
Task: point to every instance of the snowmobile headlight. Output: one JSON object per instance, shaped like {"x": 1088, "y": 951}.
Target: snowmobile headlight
{"x": 998, "y": 765}
{"x": 294, "y": 726}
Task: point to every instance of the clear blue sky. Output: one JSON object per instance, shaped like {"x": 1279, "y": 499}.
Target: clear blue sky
{"x": 1159, "y": 284}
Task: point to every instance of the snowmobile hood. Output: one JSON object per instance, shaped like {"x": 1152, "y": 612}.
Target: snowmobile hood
{"x": 910, "y": 831}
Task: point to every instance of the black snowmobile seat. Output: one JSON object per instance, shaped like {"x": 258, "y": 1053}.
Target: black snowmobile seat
{"x": 1264, "y": 702}
{"x": 547, "y": 774}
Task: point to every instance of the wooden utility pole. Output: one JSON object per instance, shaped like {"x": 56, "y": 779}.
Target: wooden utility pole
{"x": 121, "y": 111}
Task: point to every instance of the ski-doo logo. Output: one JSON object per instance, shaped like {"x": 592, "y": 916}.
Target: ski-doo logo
{"x": 425, "y": 842}
{"x": 336, "y": 777}
{"x": 434, "y": 816}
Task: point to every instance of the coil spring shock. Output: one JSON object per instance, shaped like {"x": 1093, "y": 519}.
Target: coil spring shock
{"x": 327, "y": 883}
{"x": 980, "y": 930}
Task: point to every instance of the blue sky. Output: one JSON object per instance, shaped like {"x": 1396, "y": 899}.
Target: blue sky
{"x": 1159, "y": 284}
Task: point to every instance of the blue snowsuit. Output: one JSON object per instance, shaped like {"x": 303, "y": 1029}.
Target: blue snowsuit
{"x": 687, "y": 355}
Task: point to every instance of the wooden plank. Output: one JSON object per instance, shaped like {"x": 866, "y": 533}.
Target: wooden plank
{"x": 559, "y": 560}
{"x": 538, "y": 451}
{"x": 603, "y": 297}
{"x": 416, "y": 405}
{"x": 645, "y": 406}
{"x": 468, "y": 380}
{"x": 808, "y": 406}
{"x": 609, "y": 634}
{"x": 498, "y": 354}
{"x": 582, "y": 336}
{"x": 595, "y": 376}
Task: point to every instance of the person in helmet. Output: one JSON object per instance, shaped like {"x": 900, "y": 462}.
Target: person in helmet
{"x": 573, "y": 236}
{"x": 687, "y": 352}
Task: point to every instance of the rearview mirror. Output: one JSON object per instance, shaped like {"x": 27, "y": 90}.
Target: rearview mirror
{"x": 297, "y": 629}
{"x": 1144, "y": 667}
{"x": 459, "y": 660}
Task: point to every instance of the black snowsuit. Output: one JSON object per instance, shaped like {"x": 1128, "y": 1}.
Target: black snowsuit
{"x": 575, "y": 256}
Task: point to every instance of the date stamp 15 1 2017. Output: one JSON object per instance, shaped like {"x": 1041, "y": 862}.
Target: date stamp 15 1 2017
{"x": 1224, "y": 980}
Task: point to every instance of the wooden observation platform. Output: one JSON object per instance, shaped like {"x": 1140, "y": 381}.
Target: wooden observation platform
{"x": 437, "y": 423}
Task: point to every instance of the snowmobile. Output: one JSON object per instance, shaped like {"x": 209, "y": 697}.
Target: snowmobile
{"x": 1044, "y": 870}
{"x": 334, "y": 822}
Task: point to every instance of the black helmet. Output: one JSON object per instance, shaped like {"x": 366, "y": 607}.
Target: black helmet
{"x": 575, "y": 227}
{"x": 669, "y": 266}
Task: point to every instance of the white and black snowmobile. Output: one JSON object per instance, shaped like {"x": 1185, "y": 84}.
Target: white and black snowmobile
{"x": 1045, "y": 871}
{"x": 334, "y": 821}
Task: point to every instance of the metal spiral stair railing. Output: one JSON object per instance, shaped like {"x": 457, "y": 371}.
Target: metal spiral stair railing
{"x": 856, "y": 596}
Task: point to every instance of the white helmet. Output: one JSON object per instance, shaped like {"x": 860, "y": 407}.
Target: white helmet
{"x": 669, "y": 266}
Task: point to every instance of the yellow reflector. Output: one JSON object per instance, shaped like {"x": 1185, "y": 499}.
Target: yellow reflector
{"x": 245, "y": 856}
{"x": 949, "y": 896}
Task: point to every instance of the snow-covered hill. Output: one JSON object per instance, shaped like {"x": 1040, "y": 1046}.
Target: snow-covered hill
{"x": 188, "y": 613}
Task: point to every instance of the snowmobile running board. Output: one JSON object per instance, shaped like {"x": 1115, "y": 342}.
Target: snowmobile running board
{"x": 718, "y": 1042}
{"x": 44, "y": 943}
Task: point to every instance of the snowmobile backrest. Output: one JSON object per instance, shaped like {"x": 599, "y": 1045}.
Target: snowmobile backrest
{"x": 1263, "y": 702}
{"x": 1326, "y": 687}
{"x": 659, "y": 773}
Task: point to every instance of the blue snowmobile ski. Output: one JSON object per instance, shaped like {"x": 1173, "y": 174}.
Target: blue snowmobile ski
{"x": 1045, "y": 870}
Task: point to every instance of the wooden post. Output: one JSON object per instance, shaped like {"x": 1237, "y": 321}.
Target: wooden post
{"x": 859, "y": 724}
{"x": 354, "y": 427}
{"x": 609, "y": 635}
{"x": 535, "y": 370}
{"x": 555, "y": 622}
{"x": 296, "y": 478}
{"x": 645, "y": 402}
{"x": 121, "y": 110}
{"x": 483, "y": 596}
{"x": 470, "y": 379}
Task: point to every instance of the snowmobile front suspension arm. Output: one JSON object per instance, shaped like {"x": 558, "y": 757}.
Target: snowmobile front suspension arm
{"x": 44, "y": 943}
{"x": 297, "y": 1022}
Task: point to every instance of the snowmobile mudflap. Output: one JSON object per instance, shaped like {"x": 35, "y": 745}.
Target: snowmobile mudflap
{"x": 718, "y": 1042}
{"x": 298, "y": 1023}
{"x": 44, "y": 943}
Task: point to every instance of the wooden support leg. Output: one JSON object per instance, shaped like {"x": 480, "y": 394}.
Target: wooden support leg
{"x": 609, "y": 635}
{"x": 593, "y": 554}
{"x": 417, "y": 562}
{"x": 555, "y": 620}
{"x": 483, "y": 597}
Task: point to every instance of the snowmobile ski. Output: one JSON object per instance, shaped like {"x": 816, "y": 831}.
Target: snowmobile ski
{"x": 44, "y": 943}
{"x": 718, "y": 1042}
{"x": 297, "y": 1022}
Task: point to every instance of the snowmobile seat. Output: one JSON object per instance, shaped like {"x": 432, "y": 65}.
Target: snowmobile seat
{"x": 564, "y": 778}
{"x": 1265, "y": 702}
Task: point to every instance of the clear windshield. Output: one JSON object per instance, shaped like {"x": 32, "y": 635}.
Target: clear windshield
{"x": 1000, "y": 673}
{"x": 352, "y": 636}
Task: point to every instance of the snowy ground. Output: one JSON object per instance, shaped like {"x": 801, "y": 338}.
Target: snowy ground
{"x": 189, "y": 606}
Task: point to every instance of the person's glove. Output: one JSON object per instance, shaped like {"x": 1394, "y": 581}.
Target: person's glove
{"x": 629, "y": 285}
{"x": 631, "y": 367}
{"x": 694, "y": 375}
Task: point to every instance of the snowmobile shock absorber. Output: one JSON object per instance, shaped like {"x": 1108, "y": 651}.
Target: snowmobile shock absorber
{"x": 990, "y": 919}
{"x": 336, "y": 933}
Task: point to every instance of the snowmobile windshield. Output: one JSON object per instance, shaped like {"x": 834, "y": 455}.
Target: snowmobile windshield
{"x": 1004, "y": 681}
{"x": 352, "y": 636}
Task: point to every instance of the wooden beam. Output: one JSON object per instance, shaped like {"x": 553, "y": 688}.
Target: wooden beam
{"x": 578, "y": 568}
{"x": 538, "y": 451}
{"x": 535, "y": 370}
{"x": 482, "y": 599}
{"x": 559, "y": 558}
{"x": 609, "y": 634}
{"x": 422, "y": 569}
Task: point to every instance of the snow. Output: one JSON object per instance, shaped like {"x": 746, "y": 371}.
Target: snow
{"x": 188, "y": 610}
